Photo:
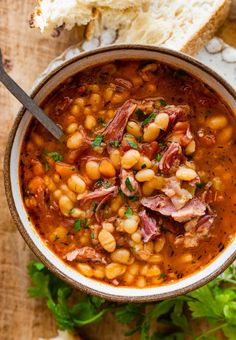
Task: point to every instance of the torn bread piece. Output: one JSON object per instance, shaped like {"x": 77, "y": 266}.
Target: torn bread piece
{"x": 177, "y": 24}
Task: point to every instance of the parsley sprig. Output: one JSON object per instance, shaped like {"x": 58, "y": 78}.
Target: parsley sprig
{"x": 55, "y": 156}
{"x": 214, "y": 303}
{"x": 97, "y": 141}
{"x": 148, "y": 119}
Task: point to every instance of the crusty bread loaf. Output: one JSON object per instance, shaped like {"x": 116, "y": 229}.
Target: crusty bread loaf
{"x": 178, "y": 24}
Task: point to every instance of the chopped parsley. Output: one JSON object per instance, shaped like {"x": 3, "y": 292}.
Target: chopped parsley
{"x": 149, "y": 118}
{"x": 163, "y": 102}
{"x": 81, "y": 223}
{"x": 162, "y": 275}
{"x": 101, "y": 122}
{"x": 99, "y": 182}
{"x": 200, "y": 185}
{"x": 140, "y": 139}
{"x": 134, "y": 198}
{"x": 129, "y": 212}
{"x": 94, "y": 206}
{"x": 182, "y": 314}
{"x": 128, "y": 184}
{"x": 143, "y": 166}
{"x": 114, "y": 143}
{"x": 97, "y": 141}
{"x": 55, "y": 156}
{"x": 71, "y": 212}
{"x": 92, "y": 235}
{"x": 107, "y": 185}
{"x": 158, "y": 157}
{"x": 46, "y": 167}
{"x": 77, "y": 225}
{"x": 132, "y": 144}
{"x": 140, "y": 114}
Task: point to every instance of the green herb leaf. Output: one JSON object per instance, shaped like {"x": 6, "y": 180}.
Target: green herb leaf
{"x": 57, "y": 293}
{"x": 77, "y": 225}
{"x": 149, "y": 118}
{"x": 114, "y": 143}
{"x": 163, "y": 102}
{"x": 92, "y": 235}
{"x": 134, "y": 198}
{"x": 143, "y": 166}
{"x": 94, "y": 206}
{"x": 158, "y": 157}
{"x": 140, "y": 114}
{"x": 99, "y": 182}
{"x": 46, "y": 167}
{"x": 55, "y": 156}
{"x": 81, "y": 223}
{"x": 132, "y": 144}
{"x": 214, "y": 303}
{"x": 162, "y": 275}
{"x": 101, "y": 122}
{"x": 129, "y": 212}
{"x": 200, "y": 185}
{"x": 97, "y": 141}
{"x": 128, "y": 184}
{"x": 107, "y": 185}
{"x": 71, "y": 212}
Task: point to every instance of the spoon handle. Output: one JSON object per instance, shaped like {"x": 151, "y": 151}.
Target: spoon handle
{"x": 29, "y": 104}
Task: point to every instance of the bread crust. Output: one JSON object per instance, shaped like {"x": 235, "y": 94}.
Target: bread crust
{"x": 208, "y": 30}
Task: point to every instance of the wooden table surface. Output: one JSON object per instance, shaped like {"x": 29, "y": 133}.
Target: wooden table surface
{"x": 27, "y": 53}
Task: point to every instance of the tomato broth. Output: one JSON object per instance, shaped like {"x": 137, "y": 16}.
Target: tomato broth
{"x": 143, "y": 191}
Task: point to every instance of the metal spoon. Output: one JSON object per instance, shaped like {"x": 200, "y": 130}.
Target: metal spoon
{"x": 29, "y": 104}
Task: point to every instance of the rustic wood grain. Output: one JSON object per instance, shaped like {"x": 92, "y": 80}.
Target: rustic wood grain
{"x": 27, "y": 53}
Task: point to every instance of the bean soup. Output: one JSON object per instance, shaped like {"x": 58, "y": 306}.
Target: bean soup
{"x": 143, "y": 191}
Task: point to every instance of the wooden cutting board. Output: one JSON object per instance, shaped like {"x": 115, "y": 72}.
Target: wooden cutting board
{"x": 27, "y": 54}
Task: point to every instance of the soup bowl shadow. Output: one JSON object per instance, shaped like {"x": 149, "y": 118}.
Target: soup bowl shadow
{"x": 12, "y": 183}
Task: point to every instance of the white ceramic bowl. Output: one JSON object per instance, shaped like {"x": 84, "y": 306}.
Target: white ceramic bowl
{"x": 13, "y": 191}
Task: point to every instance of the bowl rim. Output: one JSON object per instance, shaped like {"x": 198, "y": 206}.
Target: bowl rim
{"x": 11, "y": 202}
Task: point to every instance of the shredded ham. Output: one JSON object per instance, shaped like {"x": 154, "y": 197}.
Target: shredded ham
{"x": 149, "y": 229}
{"x": 182, "y": 132}
{"x": 179, "y": 197}
{"x": 124, "y": 82}
{"x": 206, "y": 137}
{"x": 163, "y": 205}
{"x": 98, "y": 194}
{"x": 159, "y": 203}
{"x": 171, "y": 158}
{"x": 101, "y": 203}
{"x": 196, "y": 230}
{"x": 150, "y": 149}
{"x": 175, "y": 113}
{"x": 193, "y": 208}
{"x": 115, "y": 129}
{"x": 85, "y": 254}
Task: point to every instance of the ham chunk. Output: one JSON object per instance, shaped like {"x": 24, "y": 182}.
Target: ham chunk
{"x": 182, "y": 133}
{"x": 163, "y": 205}
{"x": 85, "y": 254}
{"x": 98, "y": 194}
{"x": 149, "y": 229}
{"x": 171, "y": 158}
{"x": 175, "y": 113}
{"x": 179, "y": 197}
{"x": 193, "y": 208}
{"x": 196, "y": 230}
{"x": 159, "y": 203}
{"x": 115, "y": 129}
